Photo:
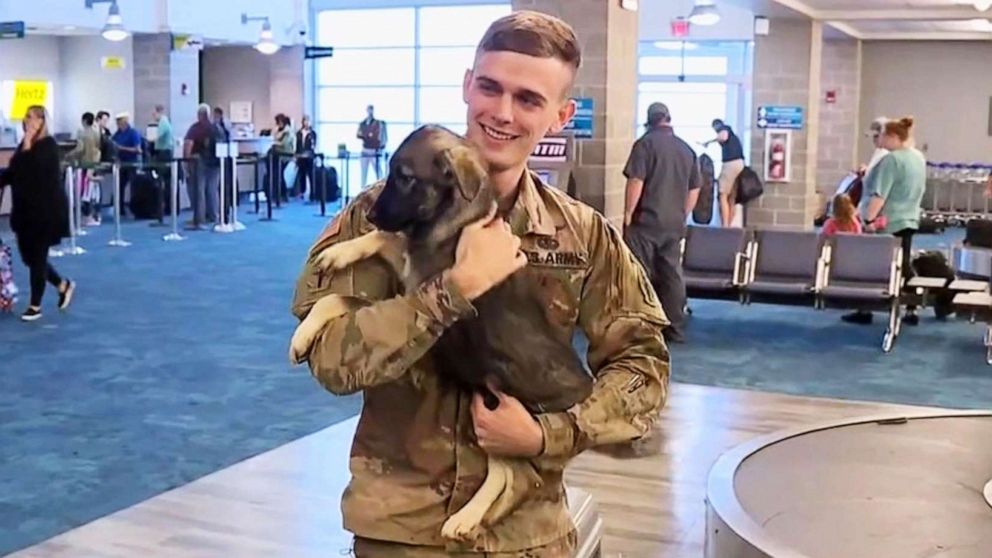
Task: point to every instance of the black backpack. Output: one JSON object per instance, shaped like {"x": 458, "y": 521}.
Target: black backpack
{"x": 702, "y": 214}
{"x": 978, "y": 233}
{"x": 748, "y": 186}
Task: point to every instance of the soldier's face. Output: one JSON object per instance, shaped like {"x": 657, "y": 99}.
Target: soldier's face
{"x": 513, "y": 101}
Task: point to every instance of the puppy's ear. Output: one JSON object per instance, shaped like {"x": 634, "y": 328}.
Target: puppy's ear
{"x": 469, "y": 173}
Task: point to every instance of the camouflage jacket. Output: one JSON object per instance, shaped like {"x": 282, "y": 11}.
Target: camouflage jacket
{"x": 413, "y": 460}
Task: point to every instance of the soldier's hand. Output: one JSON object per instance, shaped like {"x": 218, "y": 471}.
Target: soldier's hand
{"x": 487, "y": 253}
{"x": 509, "y": 430}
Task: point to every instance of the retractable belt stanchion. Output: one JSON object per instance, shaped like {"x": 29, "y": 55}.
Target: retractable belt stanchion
{"x": 224, "y": 154}
{"x": 78, "y": 176}
{"x": 235, "y": 224}
{"x": 255, "y": 187}
{"x": 269, "y": 186}
{"x": 70, "y": 183}
{"x": 323, "y": 182}
{"x": 174, "y": 204}
{"x": 117, "y": 240}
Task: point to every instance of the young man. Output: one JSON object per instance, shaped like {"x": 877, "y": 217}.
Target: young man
{"x": 731, "y": 167}
{"x": 419, "y": 453}
{"x": 662, "y": 189}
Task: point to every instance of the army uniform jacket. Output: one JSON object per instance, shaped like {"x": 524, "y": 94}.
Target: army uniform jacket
{"x": 414, "y": 461}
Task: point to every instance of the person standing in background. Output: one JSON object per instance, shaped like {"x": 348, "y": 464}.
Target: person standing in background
{"x": 372, "y": 132}
{"x": 87, "y": 153}
{"x": 201, "y": 142}
{"x": 163, "y": 151}
{"x": 128, "y": 143}
{"x": 306, "y": 146}
{"x": 662, "y": 189}
{"x": 39, "y": 214}
{"x": 731, "y": 167}
{"x": 223, "y": 134}
{"x": 285, "y": 145}
{"x": 894, "y": 189}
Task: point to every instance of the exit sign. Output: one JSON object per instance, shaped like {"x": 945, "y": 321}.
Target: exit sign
{"x": 680, "y": 28}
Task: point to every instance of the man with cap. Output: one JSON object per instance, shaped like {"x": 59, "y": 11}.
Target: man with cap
{"x": 662, "y": 188}
{"x": 129, "y": 143}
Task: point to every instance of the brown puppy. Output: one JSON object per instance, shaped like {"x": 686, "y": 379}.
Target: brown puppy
{"x": 437, "y": 185}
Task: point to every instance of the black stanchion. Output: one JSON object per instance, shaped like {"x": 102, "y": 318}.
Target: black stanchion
{"x": 323, "y": 184}
{"x": 270, "y": 183}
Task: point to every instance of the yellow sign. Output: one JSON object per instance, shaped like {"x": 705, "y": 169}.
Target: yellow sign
{"x": 187, "y": 42}
{"x": 112, "y": 62}
{"x": 27, "y": 93}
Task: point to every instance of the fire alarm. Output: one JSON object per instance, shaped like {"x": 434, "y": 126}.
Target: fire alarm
{"x": 629, "y": 5}
{"x": 184, "y": 90}
{"x": 680, "y": 28}
{"x": 831, "y": 96}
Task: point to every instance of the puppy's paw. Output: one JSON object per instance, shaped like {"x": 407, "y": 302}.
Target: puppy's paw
{"x": 338, "y": 256}
{"x": 303, "y": 338}
{"x": 464, "y": 525}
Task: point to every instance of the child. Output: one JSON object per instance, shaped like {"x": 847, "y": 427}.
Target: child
{"x": 8, "y": 290}
{"x": 845, "y": 218}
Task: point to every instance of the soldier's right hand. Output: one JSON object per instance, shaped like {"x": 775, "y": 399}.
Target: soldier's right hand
{"x": 487, "y": 253}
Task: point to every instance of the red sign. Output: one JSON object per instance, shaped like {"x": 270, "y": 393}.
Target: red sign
{"x": 680, "y": 27}
{"x": 831, "y": 96}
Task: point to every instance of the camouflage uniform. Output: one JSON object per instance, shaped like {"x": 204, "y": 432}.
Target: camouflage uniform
{"x": 414, "y": 460}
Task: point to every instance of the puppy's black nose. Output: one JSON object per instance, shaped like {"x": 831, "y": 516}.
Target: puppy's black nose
{"x": 371, "y": 215}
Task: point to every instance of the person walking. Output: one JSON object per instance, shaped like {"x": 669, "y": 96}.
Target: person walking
{"x": 662, "y": 189}
{"x": 40, "y": 211}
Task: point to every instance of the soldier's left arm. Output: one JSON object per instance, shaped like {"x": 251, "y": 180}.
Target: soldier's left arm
{"x": 621, "y": 316}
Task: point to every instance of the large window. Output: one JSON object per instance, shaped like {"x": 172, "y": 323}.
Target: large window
{"x": 699, "y": 81}
{"x": 408, "y": 63}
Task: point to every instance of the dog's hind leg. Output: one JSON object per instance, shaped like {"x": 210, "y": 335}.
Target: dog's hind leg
{"x": 323, "y": 311}
{"x": 465, "y": 521}
{"x": 389, "y": 246}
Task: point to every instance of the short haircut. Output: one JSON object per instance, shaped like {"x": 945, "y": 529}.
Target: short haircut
{"x": 160, "y": 109}
{"x": 88, "y": 118}
{"x": 101, "y": 114}
{"x": 204, "y": 108}
{"x": 534, "y": 34}
{"x": 716, "y": 122}
{"x": 218, "y": 110}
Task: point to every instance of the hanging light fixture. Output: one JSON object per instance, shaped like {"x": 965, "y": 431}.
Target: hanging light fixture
{"x": 113, "y": 29}
{"x": 983, "y": 5}
{"x": 266, "y": 43}
{"x": 704, "y": 12}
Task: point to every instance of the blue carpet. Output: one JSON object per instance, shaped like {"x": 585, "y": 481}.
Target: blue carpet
{"x": 170, "y": 364}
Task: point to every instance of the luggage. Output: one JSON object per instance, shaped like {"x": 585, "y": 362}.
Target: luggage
{"x": 702, "y": 214}
{"x": 934, "y": 264}
{"x": 748, "y": 186}
{"x": 8, "y": 290}
{"x": 328, "y": 176}
{"x": 145, "y": 198}
{"x": 929, "y": 225}
{"x": 978, "y": 233}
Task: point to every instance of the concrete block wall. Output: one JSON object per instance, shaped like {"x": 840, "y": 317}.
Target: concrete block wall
{"x": 608, "y": 37}
{"x": 152, "y": 76}
{"x": 838, "y": 121}
{"x": 782, "y": 77}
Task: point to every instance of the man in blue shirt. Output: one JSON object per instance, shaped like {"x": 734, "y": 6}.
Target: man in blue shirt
{"x": 129, "y": 143}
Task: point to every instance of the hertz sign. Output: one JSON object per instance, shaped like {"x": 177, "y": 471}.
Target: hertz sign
{"x": 25, "y": 94}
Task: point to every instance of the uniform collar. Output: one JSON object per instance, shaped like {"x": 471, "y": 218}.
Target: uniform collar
{"x": 529, "y": 214}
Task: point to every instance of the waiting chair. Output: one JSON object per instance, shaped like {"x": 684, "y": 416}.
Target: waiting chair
{"x": 863, "y": 272}
{"x": 714, "y": 262}
{"x": 783, "y": 267}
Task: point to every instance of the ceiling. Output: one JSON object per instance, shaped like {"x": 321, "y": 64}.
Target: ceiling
{"x": 888, "y": 19}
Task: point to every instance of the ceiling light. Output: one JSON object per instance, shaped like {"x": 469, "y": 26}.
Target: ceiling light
{"x": 113, "y": 30}
{"x": 704, "y": 12}
{"x": 983, "y": 5}
{"x": 266, "y": 44}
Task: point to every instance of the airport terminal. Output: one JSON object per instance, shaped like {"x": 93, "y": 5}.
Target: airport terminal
{"x": 542, "y": 278}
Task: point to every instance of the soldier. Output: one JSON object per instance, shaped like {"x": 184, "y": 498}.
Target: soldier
{"x": 419, "y": 452}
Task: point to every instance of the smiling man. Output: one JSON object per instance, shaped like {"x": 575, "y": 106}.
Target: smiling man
{"x": 419, "y": 453}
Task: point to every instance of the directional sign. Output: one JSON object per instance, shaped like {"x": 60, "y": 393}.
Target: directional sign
{"x": 318, "y": 52}
{"x": 581, "y": 124}
{"x": 11, "y": 29}
{"x": 780, "y": 117}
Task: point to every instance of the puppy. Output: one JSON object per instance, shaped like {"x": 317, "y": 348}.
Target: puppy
{"x": 437, "y": 185}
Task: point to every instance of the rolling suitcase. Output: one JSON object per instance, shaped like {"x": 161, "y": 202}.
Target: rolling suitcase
{"x": 702, "y": 214}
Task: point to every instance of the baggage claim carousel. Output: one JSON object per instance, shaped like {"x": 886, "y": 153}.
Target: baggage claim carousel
{"x": 915, "y": 485}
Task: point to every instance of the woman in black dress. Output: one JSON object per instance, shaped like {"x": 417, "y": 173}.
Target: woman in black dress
{"x": 40, "y": 213}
